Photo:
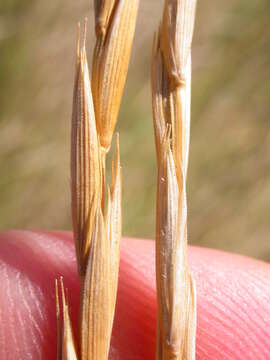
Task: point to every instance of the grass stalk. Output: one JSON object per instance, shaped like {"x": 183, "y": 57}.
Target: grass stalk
{"x": 171, "y": 78}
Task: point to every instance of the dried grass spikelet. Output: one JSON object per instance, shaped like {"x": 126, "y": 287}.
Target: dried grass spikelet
{"x": 85, "y": 159}
{"x": 175, "y": 287}
{"x": 66, "y": 349}
{"x": 171, "y": 78}
{"x": 115, "y": 26}
{"x": 99, "y": 289}
{"x": 97, "y": 231}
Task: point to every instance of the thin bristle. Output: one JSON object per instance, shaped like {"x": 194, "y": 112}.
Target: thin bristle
{"x": 78, "y": 46}
{"x": 57, "y": 300}
{"x": 66, "y": 349}
{"x": 59, "y": 323}
{"x": 63, "y": 292}
{"x": 84, "y": 33}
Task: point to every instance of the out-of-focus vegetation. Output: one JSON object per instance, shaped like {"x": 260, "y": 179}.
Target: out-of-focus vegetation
{"x": 229, "y": 169}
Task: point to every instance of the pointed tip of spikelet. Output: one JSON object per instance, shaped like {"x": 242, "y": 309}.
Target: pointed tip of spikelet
{"x": 115, "y": 24}
{"x": 66, "y": 349}
{"x": 85, "y": 157}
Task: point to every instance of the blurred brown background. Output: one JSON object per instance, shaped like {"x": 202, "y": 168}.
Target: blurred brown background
{"x": 229, "y": 168}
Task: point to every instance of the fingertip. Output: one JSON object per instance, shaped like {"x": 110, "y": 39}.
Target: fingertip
{"x": 29, "y": 263}
{"x": 233, "y": 299}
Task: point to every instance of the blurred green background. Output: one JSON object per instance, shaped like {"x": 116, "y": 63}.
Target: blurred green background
{"x": 229, "y": 168}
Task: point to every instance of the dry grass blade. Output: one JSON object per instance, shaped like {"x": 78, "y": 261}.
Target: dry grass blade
{"x": 116, "y": 21}
{"x": 100, "y": 283}
{"x": 171, "y": 76}
{"x": 85, "y": 163}
{"x": 173, "y": 279}
{"x": 66, "y": 349}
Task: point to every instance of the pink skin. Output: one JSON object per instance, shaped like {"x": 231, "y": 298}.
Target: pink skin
{"x": 233, "y": 299}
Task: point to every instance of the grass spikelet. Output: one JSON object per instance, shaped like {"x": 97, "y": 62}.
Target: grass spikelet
{"x": 85, "y": 159}
{"x": 171, "y": 73}
{"x": 66, "y": 349}
{"x": 95, "y": 297}
{"x": 96, "y": 227}
{"x": 115, "y": 26}
{"x": 100, "y": 283}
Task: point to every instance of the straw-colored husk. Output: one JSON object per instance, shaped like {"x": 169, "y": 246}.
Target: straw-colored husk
{"x": 115, "y": 26}
{"x": 171, "y": 78}
{"x": 99, "y": 289}
{"x": 85, "y": 160}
